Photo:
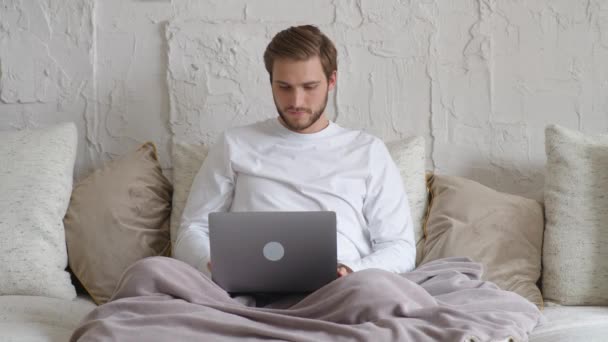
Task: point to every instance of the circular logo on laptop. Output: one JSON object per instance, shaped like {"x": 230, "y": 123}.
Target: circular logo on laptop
{"x": 274, "y": 251}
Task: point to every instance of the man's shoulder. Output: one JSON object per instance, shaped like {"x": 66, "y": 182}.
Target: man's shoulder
{"x": 248, "y": 131}
{"x": 353, "y": 133}
{"x": 364, "y": 138}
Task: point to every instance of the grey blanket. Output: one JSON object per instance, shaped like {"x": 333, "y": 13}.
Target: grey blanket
{"x": 162, "y": 299}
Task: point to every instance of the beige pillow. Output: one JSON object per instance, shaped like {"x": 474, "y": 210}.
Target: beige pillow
{"x": 117, "y": 215}
{"x": 408, "y": 154}
{"x": 503, "y": 232}
{"x": 187, "y": 160}
{"x": 575, "y": 251}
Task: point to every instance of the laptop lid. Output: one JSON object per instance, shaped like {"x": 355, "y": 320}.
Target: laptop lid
{"x": 273, "y": 252}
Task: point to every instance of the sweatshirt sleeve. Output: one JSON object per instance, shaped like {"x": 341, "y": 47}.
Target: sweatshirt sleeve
{"x": 212, "y": 190}
{"x": 387, "y": 212}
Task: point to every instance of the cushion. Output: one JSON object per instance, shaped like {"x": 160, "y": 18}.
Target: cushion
{"x": 187, "y": 160}
{"x": 35, "y": 185}
{"x": 408, "y": 154}
{"x": 117, "y": 215}
{"x": 572, "y": 323}
{"x": 575, "y": 256}
{"x": 503, "y": 232}
{"x": 41, "y": 319}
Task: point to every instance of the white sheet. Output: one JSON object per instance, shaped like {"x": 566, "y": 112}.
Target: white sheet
{"x": 37, "y": 319}
{"x": 572, "y": 323}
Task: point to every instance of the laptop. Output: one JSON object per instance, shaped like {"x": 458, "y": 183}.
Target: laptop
{"x": 273, "y": 252}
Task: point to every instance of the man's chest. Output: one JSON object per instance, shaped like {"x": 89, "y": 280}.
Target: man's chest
{"x": 338, "y": 171}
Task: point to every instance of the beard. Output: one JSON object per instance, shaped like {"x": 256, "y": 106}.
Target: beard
{"x": 312, "y": 115}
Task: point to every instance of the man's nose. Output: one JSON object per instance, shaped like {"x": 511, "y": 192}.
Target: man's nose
{"x": 297, "y": 98}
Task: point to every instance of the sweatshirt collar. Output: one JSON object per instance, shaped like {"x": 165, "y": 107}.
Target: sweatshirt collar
{"x": 330, "y": 130}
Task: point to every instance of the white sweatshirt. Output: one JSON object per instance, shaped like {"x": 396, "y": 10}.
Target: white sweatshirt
{"x": 267, "y": 167}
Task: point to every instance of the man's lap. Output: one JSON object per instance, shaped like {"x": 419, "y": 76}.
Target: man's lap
{"x": 276, "y": 301}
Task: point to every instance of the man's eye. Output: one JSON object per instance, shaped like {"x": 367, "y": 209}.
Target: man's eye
{"x": 310, "y": 87}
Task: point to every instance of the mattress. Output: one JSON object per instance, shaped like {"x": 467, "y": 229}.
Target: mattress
{"x": 572, "y": 323}
{"x": 32, "y": 318}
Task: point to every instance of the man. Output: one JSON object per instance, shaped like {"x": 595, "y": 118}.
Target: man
{"x": 301, "y": 161}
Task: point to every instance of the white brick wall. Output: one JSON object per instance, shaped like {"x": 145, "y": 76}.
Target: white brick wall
{"x": 478, "y": 79}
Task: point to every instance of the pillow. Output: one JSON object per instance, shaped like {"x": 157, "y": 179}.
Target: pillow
{"x": 575, "y": 252}
{"x": 187, "y": 160}
{"x": 408, "y": 154}
{"x": 117, "y": 215}
{"x": 35, "y": 185}
{"x": 501, "y": 231}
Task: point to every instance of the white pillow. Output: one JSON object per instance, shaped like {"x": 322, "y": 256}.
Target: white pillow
{"x": 410, "y": 158}
{"x": 35, "y": 187}
{"x": 408, "y": 154}
{"x": 575, "y": 250}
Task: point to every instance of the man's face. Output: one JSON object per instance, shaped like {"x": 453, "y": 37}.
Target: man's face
{"x": 300, "y": 90}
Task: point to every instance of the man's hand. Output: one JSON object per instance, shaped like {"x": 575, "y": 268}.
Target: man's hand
{"x": 344, "y": 270}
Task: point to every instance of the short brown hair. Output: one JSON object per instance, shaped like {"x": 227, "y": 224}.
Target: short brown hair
{"x": 301, "y": 43}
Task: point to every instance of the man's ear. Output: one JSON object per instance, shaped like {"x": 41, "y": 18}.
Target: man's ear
{"x": 331, "y": 82}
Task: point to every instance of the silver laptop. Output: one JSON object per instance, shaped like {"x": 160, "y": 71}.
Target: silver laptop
{"x": 273, "y": 252}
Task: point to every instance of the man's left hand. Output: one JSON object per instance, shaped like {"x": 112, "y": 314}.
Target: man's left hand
{"x": 344, "y": 270}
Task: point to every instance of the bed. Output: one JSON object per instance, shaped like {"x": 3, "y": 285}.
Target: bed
{"x": 38, "y": 319}
{"x": 47, "y": 317}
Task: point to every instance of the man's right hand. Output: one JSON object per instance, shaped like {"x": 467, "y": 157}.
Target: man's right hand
{"x": 209, "y": 266}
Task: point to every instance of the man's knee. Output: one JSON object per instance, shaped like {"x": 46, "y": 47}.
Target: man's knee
{"x": 371, "y": 275}
{"x": 371, "y": 280}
